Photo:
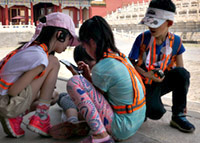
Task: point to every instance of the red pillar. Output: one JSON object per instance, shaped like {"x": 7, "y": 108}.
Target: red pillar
{"x": 81, "y": 15}
{"x": 90, "y": 12}
{"x": 6, "y": 14}
{"x": 60, "y": 9}
{"x": 26, "y": 15}
{"x": 32, "y": 14}
{"x": 55, "y": 9}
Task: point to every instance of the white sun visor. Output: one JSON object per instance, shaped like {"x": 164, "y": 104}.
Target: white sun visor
{"x": 155, "y": 17}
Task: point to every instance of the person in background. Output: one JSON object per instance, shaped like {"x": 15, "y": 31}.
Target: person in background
{"x": 157, "y": 55}
{"x": 29, "y": 73}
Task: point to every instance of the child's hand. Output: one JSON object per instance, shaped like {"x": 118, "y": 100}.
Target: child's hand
{"x": 151, "y": 75}
{"x": 85, "y": 68}
{"x": 71, "y": 69}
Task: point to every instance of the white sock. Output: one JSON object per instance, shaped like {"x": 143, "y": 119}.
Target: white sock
{"x": 72, "y": 119}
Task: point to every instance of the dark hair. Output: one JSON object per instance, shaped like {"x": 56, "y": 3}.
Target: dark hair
{"x": 81, "y": 55}
{"x": 163, "y": 4}
{"x": 98, "y": 29}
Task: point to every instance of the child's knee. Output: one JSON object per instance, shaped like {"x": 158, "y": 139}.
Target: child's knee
{"x": 75, "y": 80}
{"x": 181, "y": 74}
{"x": 155, "y": 114}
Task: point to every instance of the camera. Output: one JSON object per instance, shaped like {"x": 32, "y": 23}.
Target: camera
{"x": 159, "y": 73}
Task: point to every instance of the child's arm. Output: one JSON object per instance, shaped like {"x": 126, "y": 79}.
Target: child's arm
{"x": 86, "y": 70}
{"x": 149, "y": 74}
{"x": 179, "y": 61}
{"x": 25, "y": 80}
{"x": 72, "y": 68}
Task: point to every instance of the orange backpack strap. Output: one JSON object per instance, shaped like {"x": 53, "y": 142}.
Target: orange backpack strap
{"x": 5, "y": 60}
{"x": 137, "y": 103}
{"x": 46, "y": 50}
{"x": 5, "y": 85}
{"x": 176, "y": 48}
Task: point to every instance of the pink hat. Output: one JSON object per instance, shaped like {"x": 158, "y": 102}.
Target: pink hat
{"x": 56, "y": 19}
{"x": 62, "y": 20}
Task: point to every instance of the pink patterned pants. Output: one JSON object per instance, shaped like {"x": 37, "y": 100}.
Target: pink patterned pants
{"x": 91, "y": 104}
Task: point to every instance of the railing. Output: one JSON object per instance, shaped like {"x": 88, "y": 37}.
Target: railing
{"x": 17, "y": 28}
{"x": 186, "y": 36}
{"x": 134, "y": 12}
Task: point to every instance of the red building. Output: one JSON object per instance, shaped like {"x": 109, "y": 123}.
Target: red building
{"x": 29, "y": 11}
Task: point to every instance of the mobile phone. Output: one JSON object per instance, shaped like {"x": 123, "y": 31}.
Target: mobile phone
{"x": 68, "y": 64}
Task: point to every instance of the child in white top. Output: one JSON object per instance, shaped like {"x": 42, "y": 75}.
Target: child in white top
{"x": 30, "y": 72}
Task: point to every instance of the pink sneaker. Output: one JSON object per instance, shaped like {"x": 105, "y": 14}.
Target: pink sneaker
{"x": 12, "y": 126}
{"x": 89, "y": 139}
{"x": 39, "y": 126}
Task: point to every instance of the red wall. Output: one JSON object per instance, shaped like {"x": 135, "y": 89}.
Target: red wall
{"x": 98, "y": 10}
{"x": 111, "y": 5}
{"x": 1, "y": 15}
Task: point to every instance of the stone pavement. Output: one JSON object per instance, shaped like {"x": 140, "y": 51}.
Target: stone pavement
{"x": 150, "y": 132}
